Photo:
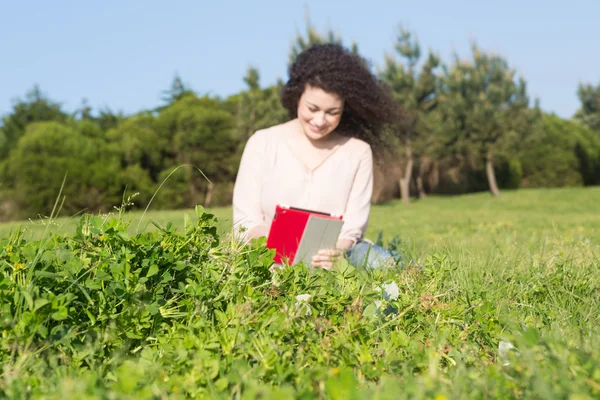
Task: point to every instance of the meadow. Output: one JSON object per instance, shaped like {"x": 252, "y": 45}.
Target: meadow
{"x": 498, "y": 298}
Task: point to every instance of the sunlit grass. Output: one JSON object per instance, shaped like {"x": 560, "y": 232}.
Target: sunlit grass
{"x": 521, "y": 224}
{"x": 522, "y": 268}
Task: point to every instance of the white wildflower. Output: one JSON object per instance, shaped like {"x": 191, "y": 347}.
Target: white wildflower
{"x": 391, "y": 291}
{"x": 302, "y": 301}
{"x": 303, "y": 297}
{"x": 503, "y": 349}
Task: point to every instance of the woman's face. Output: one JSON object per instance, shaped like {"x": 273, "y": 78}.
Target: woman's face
{"x": 319, "y": 112}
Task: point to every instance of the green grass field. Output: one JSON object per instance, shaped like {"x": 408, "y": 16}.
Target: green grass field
{"x": 523, "y": 268}
{"x": 477, "y": 224}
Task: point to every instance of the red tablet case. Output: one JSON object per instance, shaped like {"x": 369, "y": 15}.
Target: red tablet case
{"x": 287, "y": 228}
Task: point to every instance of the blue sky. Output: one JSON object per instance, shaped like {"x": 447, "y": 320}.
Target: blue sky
{"x": 122, "y": 54}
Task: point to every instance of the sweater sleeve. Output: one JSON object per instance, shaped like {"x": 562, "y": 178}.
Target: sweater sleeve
{"x": 247, "y": 210}
{"x": 358, "y": 206}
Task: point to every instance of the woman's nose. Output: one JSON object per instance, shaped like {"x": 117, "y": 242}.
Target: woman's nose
{"x": 319, "y": 120}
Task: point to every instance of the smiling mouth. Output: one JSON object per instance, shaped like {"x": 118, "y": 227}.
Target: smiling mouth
{"x": 315, "y": 129}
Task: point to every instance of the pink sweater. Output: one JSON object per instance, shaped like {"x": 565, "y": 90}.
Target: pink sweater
{"x": 270, "y": 173}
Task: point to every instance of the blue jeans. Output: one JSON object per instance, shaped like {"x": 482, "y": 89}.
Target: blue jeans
{"x": 372, "y": 256}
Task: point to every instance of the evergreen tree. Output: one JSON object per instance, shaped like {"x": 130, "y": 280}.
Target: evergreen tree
{"x": 36, "y": 107}
{"x": 177, "y": 91}
{"x": 258, "y": 108}
{"x": 199, "y": 132}
{"x": 486, "y": 109}
{"x": 311, "y": 37}
{"x": 589, "y": 113}
{"x": 415, "y": 90}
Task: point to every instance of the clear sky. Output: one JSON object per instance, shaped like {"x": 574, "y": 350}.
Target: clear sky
{"x": 123, "y": 54}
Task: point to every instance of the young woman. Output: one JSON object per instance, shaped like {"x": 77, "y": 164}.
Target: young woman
{"x": 322, "y": 158}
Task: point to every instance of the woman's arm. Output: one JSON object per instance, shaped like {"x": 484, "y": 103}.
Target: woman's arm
{"x": 247, "y": 210}
{"x": 356, "y": 216}
{"x": 358, "y": 207}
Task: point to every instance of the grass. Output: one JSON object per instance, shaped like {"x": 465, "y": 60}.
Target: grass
{"x": 475, "y": 223}
{"x": 523, "y": 267}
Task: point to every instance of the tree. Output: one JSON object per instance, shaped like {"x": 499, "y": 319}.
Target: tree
{"x": 35, "y": 108}
{"x": 46, "y": 153}
{"x": 200, "y": 133}
{"x": 177, "y": 91}
{"x": 313, "y": 36}
{"x": 486, "y": 109}
{"x": 589, "y": 113}
{"x": 415, "y": 91}
{"x": 105, "y": 119}
{"x": 561, "y": 153}
{"x": 257, "y": 108}
{"x": 108, "y": 119}
{"x": 138, "y": 142}
{"x": 141, "y": 151}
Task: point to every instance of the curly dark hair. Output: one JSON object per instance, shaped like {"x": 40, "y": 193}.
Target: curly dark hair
{"x": 368, "y": 104}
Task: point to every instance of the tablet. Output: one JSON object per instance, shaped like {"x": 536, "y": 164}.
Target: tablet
{"x": 297, "y": 234}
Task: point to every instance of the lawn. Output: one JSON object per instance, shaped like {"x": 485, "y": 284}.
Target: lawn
{"x": 501, "y": 301}
{"x": 478, "y": 224}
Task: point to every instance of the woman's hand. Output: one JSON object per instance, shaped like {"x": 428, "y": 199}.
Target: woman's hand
{"x": 326, "y": 258}
{"x": 275, "y": 266}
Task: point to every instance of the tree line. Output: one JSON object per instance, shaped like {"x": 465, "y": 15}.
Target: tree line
{"x": 469, "y": 125}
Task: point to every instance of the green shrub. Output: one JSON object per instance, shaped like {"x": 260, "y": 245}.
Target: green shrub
{"x": 509, "y": 173}
{"x": 49, "y": 151}
{"x": 562, "y": 153}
